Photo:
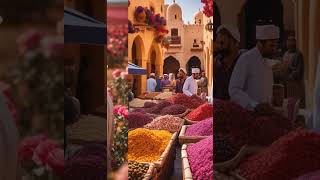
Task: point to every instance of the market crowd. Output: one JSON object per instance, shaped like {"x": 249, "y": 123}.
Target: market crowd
{"x": 259, "y": 78}
{"x": 195, "y": 84}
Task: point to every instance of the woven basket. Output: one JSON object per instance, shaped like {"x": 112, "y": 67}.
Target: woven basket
{"x": 188, "y": 139}
{"x": 186, "y": 170}
{"x": 150, "y": 173}
{"x": 189, "y": 122}
{"x": 236, "y": 175}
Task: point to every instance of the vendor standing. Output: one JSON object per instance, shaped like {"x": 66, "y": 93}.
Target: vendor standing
{"x": 227, "y": 54}
{"x": 190, "y": 86}
{"x": 252, "y": 79}
{"x": 182, "y": 76}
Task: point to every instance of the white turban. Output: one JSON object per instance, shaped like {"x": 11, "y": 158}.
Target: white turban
{"x": 195, "y": 70}
{"x": 267, "y": 32}
{"x": 231, "y": 29}
{"x": 182, "y": 69}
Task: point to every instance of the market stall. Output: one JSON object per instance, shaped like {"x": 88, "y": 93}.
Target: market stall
{"x": 155, "y": 125}
{"x": 77, "y": 26}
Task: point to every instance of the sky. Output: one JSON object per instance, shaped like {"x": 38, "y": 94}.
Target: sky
{"x": 189, "y": 8}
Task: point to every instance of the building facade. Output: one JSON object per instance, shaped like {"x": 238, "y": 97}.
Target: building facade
{"x": 143, "y": 49}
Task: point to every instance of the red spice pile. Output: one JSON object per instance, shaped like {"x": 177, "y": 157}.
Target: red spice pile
{"x": 293, "y": 155}
{"x": 202, "y": 112}
{"x": 189, "y": 102}
{"x": 246, "y": 127}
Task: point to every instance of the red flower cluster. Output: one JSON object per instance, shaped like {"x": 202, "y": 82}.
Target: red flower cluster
{"x": 202, "y": 112}
{"x": 208, "y": 7}
{"x": 117, "y": 40}
{"x": 291, "y": 156}
{"x": 121, "y": 111}
{"x": 43, "y": 152}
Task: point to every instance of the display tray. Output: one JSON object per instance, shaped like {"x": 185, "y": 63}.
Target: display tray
{"x": 189, "y": 122}
{"x": 233, "y": 164}
{"x": 186, "y": 170}
{"x": 188, "y": 139}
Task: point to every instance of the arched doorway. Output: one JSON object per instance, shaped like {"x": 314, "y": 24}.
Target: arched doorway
{"x": 193, "y": 62}
{"x": 171, "y": 65}
{"x": 137, "y": 50}
{"x": 252, "y": 12}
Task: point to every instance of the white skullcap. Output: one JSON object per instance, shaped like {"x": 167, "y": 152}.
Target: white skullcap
{"x": 165, "y": 75}
{"x": 152, "y": 74}
{"x": 195, "y": 70}
{"x": 184, "y": 70}
{"x": 232, "y": 30}
{"x": 267, "y": 32}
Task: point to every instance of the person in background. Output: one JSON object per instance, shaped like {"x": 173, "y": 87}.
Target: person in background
{"x": 182, "y": 76}
{"x": 165, "y": 81}
{"x": 251, "y": 82}
{"x": 295, "y": 81}
{"x": 190, "y": 86}
{"x": 227, "y": 54}
{"x": 151, "y": 83}
{"x": 172, "y": 80}
{"x": 204, "y": 83}
{"x": 158, "y": 87}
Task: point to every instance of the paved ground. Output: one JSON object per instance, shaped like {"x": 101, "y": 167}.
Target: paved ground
{"x": 177, "y": 172}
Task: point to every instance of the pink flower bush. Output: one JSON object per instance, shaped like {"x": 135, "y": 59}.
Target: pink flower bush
{"x": 55, "y": 161}
{"x": 116, "y": 73}
{"x": 121, "y": 111}
{"x": 28, "y": 145}
{"x": 29, "y": 41}
{"x": 42, "y": 151}
{"x": 52, "y": 45}
{"x": 124, "y": 75}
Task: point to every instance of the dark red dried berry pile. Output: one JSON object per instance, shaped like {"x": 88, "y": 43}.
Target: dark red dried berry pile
{"x": 291, "y": 156}
{"x": 188, "y": 102}
{"x": 149, "y": 104}
{"x": 138, "y": 119}
{"x": 173, "y": 110}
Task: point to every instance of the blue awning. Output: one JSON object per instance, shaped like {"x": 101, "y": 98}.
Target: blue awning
{"x": 136, "y": 70}
{"x": 80, "y": 28}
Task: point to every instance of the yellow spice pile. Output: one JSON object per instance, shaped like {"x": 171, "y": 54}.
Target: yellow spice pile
{"x": 147, "y": 145}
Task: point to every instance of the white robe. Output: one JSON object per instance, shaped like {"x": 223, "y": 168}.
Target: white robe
{"x": 252, "y": 80}
{"x": 316, "y": 111}
{"x": 8, "y": 143}
{"x": 190, "y": 86}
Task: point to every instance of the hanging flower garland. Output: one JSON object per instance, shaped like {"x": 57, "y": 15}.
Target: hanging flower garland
{"x": 208, "y": 7}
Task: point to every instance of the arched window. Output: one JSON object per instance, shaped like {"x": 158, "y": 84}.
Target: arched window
{"x": 174, "y": 32}
{"x": 175, "y": 16}
{"x": 199, "y": 21}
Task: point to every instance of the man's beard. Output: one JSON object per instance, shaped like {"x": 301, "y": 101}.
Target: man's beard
{"x": 222, "y": 53}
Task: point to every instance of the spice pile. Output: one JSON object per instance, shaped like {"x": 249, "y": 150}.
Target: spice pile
{"x": 200, "y": 113}
{"x": 137, "y": 171}
{"x": 202, "y": 128}
{"x": 146, "y": 145}
{"x": 137, "y": 119}
{"x": 149, "y": 104}
{"x": 188, "y": 102}
{"x": 164, "y": 95}
{"x": 289, "y": 157}
{"x": 173, "y": 110}
{"x": 156, "y": 109}
{"x": 138, "y": 103}
{"x": 310, "y": 176}
{"x": 167, "y": 122}
{"x": 246, "y": 127}
{"x": 88, "y": 128}
{"x": 88, "y": 163}
{"x": 223, "y": 149}
{"x": 200, "y": 156}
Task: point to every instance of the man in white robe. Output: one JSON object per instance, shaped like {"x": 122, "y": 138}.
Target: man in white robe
{"x": 190, "y": 86}
{"x": 252, "y": 79}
